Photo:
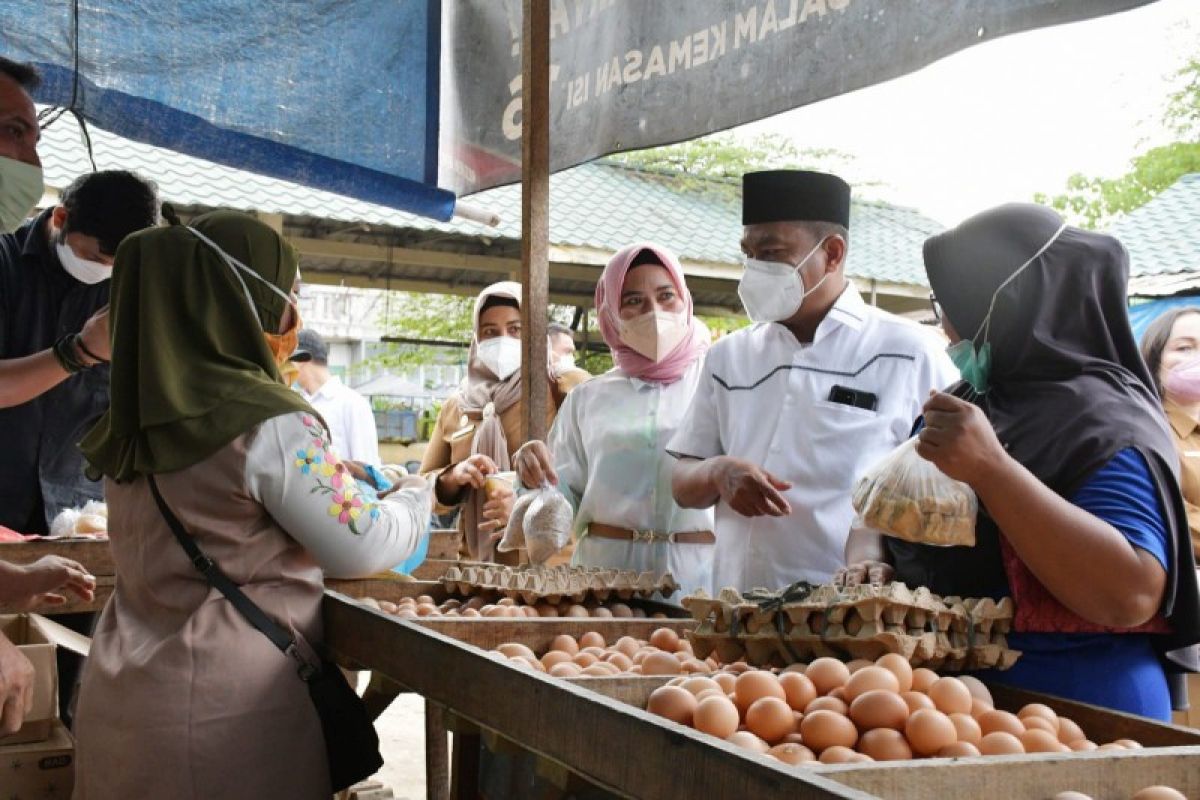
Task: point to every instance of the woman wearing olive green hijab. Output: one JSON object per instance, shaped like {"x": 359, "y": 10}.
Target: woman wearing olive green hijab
{"x": 181, "y": 697}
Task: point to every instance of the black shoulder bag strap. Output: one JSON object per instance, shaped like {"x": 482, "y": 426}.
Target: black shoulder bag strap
{"x": 351, "y": 743}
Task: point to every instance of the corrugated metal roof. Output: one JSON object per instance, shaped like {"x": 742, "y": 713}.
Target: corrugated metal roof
{"x": 601, "y": 205}
{"x": 1163, "y": 236}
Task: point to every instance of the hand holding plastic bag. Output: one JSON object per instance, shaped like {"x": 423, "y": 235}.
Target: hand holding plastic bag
{"x": 909, "y": 498}
{"x": 540, "y": 524}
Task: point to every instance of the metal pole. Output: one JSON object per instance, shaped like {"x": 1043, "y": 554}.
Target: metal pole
{"x": 535, "y": 214}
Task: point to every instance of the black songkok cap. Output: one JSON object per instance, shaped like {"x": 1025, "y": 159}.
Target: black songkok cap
{"x": 793, "y": 195}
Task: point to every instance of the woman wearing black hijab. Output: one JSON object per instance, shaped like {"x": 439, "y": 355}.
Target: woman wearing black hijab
{"x": 1057, "y": 428}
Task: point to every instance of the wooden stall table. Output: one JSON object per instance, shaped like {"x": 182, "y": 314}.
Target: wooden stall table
{"x": 641, "y": 755}
{"x": 94, "y": 554}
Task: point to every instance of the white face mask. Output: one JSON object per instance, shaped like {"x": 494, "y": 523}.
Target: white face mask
{"x": 82, "y": 270}
{"x": 654, "y": 334}
{"x": 20, "y": 189}
{"x": 501, "y": 354}
{"x": 564, "y": 363}
{"x": 772, "y": 291}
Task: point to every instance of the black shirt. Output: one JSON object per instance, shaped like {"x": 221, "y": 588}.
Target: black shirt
{"x": 41, "y": 469}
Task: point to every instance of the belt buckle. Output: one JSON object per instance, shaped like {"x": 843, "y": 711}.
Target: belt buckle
{"x": 643, "y": 536}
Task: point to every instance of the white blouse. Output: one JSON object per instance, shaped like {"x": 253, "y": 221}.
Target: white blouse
{"x": 292, "y": 470}
{"x": 608, "y": 443}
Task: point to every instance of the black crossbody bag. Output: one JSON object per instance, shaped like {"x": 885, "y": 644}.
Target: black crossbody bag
{"x": 351, "y": 744}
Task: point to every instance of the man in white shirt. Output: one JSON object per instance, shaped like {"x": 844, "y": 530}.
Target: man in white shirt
{"x": 792, "y": 410}
{"x": 347, "y": 413}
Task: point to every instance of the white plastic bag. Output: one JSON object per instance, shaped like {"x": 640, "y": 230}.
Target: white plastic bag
{"x": 907, "y": 497}
{"x": 540, "y": 524}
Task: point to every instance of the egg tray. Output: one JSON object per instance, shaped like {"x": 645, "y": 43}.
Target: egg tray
{"x": 776, "y": 629}
{"x": 536, "y": 584}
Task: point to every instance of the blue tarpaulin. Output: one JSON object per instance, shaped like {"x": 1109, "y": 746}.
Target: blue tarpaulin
{"x": 1142, "y": 314}
{"x": 340, "y": 95}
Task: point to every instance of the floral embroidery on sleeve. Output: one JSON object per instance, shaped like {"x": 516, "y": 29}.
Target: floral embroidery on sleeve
{"x": 348, "y": 501}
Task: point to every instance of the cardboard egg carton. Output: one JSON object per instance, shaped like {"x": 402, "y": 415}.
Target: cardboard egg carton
{"x": 536, "y": 584}
{"x": 950, "y": 634}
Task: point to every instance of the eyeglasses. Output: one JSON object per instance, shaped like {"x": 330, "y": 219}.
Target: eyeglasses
{"x": 937, "y": 308}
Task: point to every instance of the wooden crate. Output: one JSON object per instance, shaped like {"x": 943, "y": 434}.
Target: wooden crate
{"x": 387, "y": 586}
{"x": 94, "y": 554}
{"x": 489, "y": 632}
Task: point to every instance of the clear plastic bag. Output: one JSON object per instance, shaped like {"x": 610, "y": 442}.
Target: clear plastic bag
{"x": 540, "y": 524}
{"x": 909, "y": 498}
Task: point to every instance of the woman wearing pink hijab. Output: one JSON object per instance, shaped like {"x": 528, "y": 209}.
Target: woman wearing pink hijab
{"x": 605, "y": 452}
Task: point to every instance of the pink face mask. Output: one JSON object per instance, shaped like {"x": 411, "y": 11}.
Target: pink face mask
{"x": 1183, "y": 381}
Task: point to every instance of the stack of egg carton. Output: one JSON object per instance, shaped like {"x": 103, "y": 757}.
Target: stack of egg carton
{"x": 536, "y": 584}
{"x": 949, "y": 634}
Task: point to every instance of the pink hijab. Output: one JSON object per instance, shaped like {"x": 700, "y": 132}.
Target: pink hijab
{"x": 608, "y": 304}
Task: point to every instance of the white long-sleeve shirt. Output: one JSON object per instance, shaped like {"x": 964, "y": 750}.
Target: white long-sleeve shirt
{"x": 350, "y": 418}
{"x": 292, "y": 471}
{"x": 608, "y": 445}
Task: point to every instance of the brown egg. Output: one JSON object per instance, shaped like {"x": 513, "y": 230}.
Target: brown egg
{"x": 620, "y": 661}
{"x": 674, "y": 703}
{"x": 642, "y": 652}
{"x": 546, "y": 610}
{"x": 1128, "y": 744}
{"x": 827, "y": 674}
{"x": 856, "y": 664}
{"x": 1158, "y": 793}
{"x": 466, "y": 612}
{"x": 725, "y": 681}
{"x": 828, "y": 704}
{"x": 1038, "y": 710}
{"x": 565, "y": 670}
{"x": 388, "y": 607}
{"x": 681, "y": 656}
{"x": 978, "y": 689}
{"x": 599, "y": 670}
{"x": 1082, "y": 745}
{"x": 748, "y": 741}
{"x": 665, "y": 639}
{"x": 755, "y": 684}
{"x": 885, "y": 744}
{"x": 694, "y": 665}
{"x": 824, "y": 729}
{"x": 898, "y": 665}
{"x": 1072, "y": 796}
{"x": 503, "y": 601}
{"x": 699, "y": 684}
{"x": 1040, "y": 741}
{"x": 879, "y": 708}
{"x": 967, "y": 728}
{"x": 958, "y": 750}
{"x": 600, "y": 612}
{"x": 577, "y": 610}
{"x": 794, "y": 738}
{"x": 684, "y": 646}
{"x": 426, "y": 609}
{"x": 923, "y": 678}
{"x": 1040, "y": 723}
{"x": 515, "y": 649}
{"x": 798, "y": 690}
{"x": 799, "y": 666}
{"x": 916, "y": 701}
{"x": 592, "y": 639}
{"x": 791, "y": 753}
{"x": 1112, "y": 746}
{"x": 928, "y": 731}
{"x": 585, "y": 659}
{"x": 717, "y": 716}
{"x": 565, "y": 643}
{"x": 1000, "y": 743}
{"x": 661, "y": 664}
{"x": 770, "y": 719}
{"x": 555, "y": 657}
{"x": 1068, "y": 731}
{"x": 409, "y": 613}
{"x": 593, "y": 650}
{"x": 870, "y": 679}
{"x": 838, "y": 755}
{"x": 951, "y": 696}
{"x": 520, "y": 662}
{"x": 978, "y": 707}
{"x": 992, "y": 721}
{"x": 839, "y": 693}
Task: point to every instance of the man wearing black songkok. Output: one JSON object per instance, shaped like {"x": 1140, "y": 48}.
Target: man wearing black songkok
{"x": 789, "y": 412}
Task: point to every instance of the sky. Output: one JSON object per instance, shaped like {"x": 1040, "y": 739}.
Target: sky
{"x": 1004, "y": 119}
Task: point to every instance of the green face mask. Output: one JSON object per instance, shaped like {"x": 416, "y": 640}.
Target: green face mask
{"x": 20, "y": 190}
{"x": 974, "y": 362}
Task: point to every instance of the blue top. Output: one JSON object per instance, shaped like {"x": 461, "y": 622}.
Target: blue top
{"x": 1119, "y": 671}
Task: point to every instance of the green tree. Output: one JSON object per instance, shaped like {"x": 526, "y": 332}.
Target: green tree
{"x": 1093, "y": 201}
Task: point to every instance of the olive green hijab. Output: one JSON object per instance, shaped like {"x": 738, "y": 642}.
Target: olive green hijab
{"x": 191, "y": 370}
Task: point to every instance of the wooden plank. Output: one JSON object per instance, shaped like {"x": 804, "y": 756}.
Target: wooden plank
{"x": 432, "y": 569}
{"x": 537, "y": 634}
{"x": 437, "y": 753}
{"x": 535, "y": 214}
{"x": 94, "y": 554}
{"x": 444, "y": 544}
{"x": 104, "y": 589}
{"x": 562, "y": 722}
{"x": 1111, "y": 775}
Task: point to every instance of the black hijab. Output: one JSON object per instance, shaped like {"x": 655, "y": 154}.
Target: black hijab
{"x": 1068, "y": 386}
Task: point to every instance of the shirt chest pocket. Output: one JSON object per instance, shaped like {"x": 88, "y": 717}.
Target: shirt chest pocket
{"x": 460, "y": 442}
{"x": 833, "y": 424}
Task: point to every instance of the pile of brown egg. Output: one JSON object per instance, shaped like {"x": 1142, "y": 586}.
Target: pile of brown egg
{"x": 480, "y": 606}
